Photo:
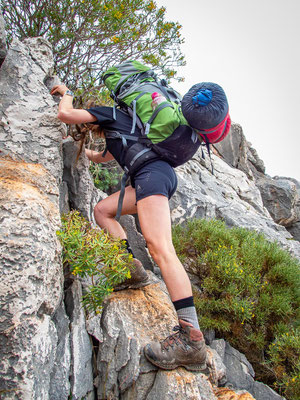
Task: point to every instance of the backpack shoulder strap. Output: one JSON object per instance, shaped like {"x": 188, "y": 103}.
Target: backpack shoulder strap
{"x": 154, "y": 114}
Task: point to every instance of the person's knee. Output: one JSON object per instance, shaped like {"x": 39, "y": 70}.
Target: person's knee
{"x": 160, "y": 252}
{"x": 102, "y": 212}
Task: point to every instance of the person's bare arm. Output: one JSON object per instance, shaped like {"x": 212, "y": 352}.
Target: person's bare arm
{"x": 66, "y": 112}
{"x": 97, "y": 157}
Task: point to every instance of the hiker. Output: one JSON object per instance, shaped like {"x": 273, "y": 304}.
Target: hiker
{"x": 152, "y": 185}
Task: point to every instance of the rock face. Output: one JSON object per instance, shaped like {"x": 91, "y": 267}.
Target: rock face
{"x": 228, "y": 195}
{"x": 280, "y": 195}
{"x": 49, "y": 348}
{"x": 239, "y": 372}
{"x": 81, "y": 377}
{"x": 124, "y": 372}
{"x": 31, "y": 273}
{"x": 238, "y": 152}
{"x": 3, "y": 49}
{"x": 41, "y": 346}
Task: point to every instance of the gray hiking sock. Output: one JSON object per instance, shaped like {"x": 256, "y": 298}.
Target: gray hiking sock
{"x": 189, "y": 315}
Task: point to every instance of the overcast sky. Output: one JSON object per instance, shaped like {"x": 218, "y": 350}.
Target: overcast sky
{"x": 251, "y": 48}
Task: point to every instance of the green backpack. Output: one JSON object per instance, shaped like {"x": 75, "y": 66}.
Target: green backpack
{"x": 131, "y": 85}
{"x": 164, "y": 130}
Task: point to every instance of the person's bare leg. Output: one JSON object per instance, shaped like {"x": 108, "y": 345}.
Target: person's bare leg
{"x": 106, "y": 210}
{"x": 155, "y": 222}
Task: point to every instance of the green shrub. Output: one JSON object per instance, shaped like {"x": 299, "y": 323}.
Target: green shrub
{"x": 105, "y": 177}
{"x": 250, "y": 287}
{"x": 284, "y": 356}
{"x": 90, "y": 252}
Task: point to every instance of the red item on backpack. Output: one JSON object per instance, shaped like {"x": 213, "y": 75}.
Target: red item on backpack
{"x": 218, "y": 133}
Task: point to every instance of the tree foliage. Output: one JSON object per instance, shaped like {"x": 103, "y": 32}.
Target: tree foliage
{"x": 88, "y": 36}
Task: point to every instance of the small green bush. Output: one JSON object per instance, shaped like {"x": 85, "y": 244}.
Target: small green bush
{"x": 250, "y": 288}
{"x": 106, "y": 176}
{"x": 284, "y": 357}
{"x": 90, "y": 252}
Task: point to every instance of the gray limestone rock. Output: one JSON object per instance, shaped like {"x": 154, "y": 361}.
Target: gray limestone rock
{"x": 236, "y": 151}
{"x": 31, "y": 277}
{"x": 27, "y": 359}
{"x": 29, "y": 129}
{"x": 219, "y": 345}
{"x": 254, "y": 159}
{"x": 233, "y": 150}
{"x": 3, "y": 47}
{"x": 59, "y": 377}
{"x": 240, "y": 374}
{"x": 31, "y": 271}
{"x": 64, "y": 204}
{"x": 137, "y": 242}
{"x": 131, "y": 319}
{"x": 180, "y": 384}
{"x": 227, "y": 195}
{"x": 295, "y": 231}
{"x": 260, "y": 391}
{"x": 83, "y": 195}
{"x": 81, "y": 345}
{"x": 239, "y": 371}
{"x": 220, "y": 370}
{"x": 281, "y": 196}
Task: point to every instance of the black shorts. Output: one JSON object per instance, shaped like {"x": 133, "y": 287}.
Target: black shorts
{"x": 157, "y": 177}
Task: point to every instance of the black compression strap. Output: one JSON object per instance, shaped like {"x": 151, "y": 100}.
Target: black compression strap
{"x": 184, "y": 303}
{"x": 121, "y": 197}
{"x": 138, "y": 155}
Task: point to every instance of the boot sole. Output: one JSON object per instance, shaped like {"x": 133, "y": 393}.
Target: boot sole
{"x": 192, "y": 367}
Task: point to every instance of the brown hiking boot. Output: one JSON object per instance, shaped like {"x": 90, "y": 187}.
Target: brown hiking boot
{"x": 139, "y": 277}
{"x": 185, "y": 348}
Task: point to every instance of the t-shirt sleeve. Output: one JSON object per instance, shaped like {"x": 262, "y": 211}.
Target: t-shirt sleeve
{"x": 104, "y": 115}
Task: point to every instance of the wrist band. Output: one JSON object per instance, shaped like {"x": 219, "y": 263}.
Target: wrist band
{"x": 69, "y": 93}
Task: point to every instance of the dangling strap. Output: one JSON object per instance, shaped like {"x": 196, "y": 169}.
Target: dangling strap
{"x": 114, "y": 111}
{"x": 112, "y": 95}
{"x": 121, "y": 197}
{"x": 133, "y": 117}
{"x": 202, "y": 153}
{"x": 209, "y": 153}
{"x": 133, "y": 104}
{"x": 123, "y": 182}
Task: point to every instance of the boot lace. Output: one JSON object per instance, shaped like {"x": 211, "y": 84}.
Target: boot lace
{"x": 177, "y": 338}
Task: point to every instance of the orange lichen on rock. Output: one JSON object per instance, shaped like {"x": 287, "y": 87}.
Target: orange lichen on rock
{"x": 29, "y": 183}
{"x": 228, "y": 394}
{"x": 153, "y": 304}
{"x": 20, "y": 171}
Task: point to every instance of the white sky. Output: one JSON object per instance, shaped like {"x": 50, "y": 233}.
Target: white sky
{"x": 252, "y": 49}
